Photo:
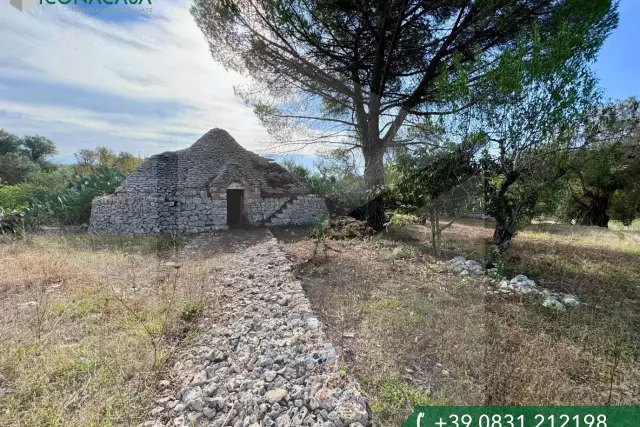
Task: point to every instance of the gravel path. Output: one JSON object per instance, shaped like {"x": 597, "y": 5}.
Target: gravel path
{"x": 266, "y": 361}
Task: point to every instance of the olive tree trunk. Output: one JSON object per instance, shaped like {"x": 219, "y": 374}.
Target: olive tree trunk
{"x": 501, "y": 240}
{"x": 595, "y": 214}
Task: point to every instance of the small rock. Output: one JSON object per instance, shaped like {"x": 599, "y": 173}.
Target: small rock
{"x": 571, "y": 301}
{"x": 209, "y": 413}
{"x": 351, "y": 413}
{"x": 190, "y": 394}
{"x": 458, "y": 264}
{"x": 218, "y": 402}
{"x": 270, "y": 375}
{"x": 155, "y": 411}
{"x": 193, "y": 417}
{"x": 313, "y": 324}
{"x": 458, "y": 260}
{"x": 553, "y": 303}
{"x": 283, "y": 421}
{"x": 276, "y": 395}
{"x": 474, "y": 267}
{"x": 199, "y": 379}
{"x": 285, "y": 300}
{"x": 522, "y": 284}
{"x": 196, "y": 404}
{"x": 209, "y": 389}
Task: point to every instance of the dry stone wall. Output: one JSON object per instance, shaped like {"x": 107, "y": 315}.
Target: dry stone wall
{"x": 303, "y": 210}
{"x": 132, "y": 214}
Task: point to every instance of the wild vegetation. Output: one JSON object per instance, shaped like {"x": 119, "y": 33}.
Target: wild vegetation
{"x": 46, "y": 193}
{"x": 90, "y": 326}
{"x": 414, "y": 333}
{"x": 365, "y": 73}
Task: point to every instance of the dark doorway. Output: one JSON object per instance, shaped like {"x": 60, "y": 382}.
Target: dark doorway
{"x": 235, "y": 202}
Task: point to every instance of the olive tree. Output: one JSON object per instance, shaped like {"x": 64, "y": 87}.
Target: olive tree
{"x": 530, "y": 135}
{"x": 604, "y": 181}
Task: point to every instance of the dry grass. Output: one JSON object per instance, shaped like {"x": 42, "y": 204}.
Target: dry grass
{"x": 414, "y": 333}
{"x": 87, "y": 326}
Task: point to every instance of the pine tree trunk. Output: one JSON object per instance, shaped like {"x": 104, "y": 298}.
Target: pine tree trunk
{"x": 374, "y": 177}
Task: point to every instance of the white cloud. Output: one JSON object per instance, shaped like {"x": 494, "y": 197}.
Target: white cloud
{"x": 155, "y": 62}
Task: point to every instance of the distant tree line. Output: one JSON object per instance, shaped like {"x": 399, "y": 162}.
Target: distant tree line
{"x": 50, "y": 193}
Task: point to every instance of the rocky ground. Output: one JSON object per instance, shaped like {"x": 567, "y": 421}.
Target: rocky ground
{"x": 266, "y": 360}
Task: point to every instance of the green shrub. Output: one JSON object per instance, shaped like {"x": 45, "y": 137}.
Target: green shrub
{"x": 625, "y": 206}
{"x": 16, "y": 197}
{"x": 73, "y": 205}
{"x": 346, "y": 228}
{"x": 402, "y": 219}
{"x": 16, "y": 169}
{"x": 317, "y": 232}
{"x": 191, "y": 310}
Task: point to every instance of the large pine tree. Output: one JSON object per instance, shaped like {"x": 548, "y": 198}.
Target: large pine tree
{"x": 358, "y": 71}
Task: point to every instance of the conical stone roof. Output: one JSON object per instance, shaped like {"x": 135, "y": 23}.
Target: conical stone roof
{"x": 208, "y": 160}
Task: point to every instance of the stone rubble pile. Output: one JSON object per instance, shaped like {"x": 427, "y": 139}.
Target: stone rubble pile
{"x": 466, "y": 267}
{"x": 266, "y": 362}
{"x": 520, "y": 285}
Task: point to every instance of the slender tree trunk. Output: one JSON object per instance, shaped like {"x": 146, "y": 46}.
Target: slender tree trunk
{"x": 374, "y": 176}
{"x": 435, "y": 230}
{"x": 506, "y": 216}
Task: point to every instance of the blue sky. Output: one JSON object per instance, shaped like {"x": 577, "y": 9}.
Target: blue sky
{"x": 145, "y": 82}
{"x": 618, "y": 65}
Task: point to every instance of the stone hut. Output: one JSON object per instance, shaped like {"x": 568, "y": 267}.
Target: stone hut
{"x": 211, "y": 185}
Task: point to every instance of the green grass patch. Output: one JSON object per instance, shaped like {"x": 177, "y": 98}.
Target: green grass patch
{"x": 191, "y": 309}
{"x": 385, "y": 303}
{"x": 392, "y": 400}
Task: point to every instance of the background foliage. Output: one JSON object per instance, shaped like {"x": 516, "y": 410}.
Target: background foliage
{"x": 54, "y": 194}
